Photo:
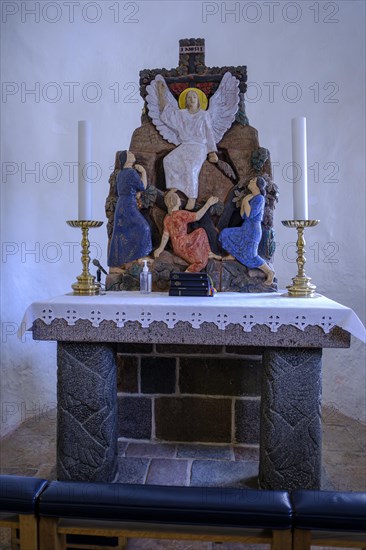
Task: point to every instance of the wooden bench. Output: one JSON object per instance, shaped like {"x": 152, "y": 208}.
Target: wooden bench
{"x": 18, "y": 501}
{"x": 327, "y": 518}
{"x": 44, "y": 515}
{"x": 149, "y": 511}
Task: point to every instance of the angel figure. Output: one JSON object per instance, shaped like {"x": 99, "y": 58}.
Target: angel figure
{"x": 191, "y": 127}
{"x": 192, "y": 247}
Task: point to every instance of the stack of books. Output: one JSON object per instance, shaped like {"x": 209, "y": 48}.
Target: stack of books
{"x": 190, "y": 284}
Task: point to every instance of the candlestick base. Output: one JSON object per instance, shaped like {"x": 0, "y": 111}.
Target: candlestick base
{"x": 301, "y": 287}
{"x": 85, "y": 285}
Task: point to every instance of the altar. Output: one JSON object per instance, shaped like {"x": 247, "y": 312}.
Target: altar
{"x": 193, "y": 193}
{"x": 291, "y": 331}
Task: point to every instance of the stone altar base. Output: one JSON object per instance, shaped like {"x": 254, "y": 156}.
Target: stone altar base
{"x": 290, "y": 440}
{"x": 290, "y": 422}
{"x": 290, "y": 435}
{"x": 87, "y": 412}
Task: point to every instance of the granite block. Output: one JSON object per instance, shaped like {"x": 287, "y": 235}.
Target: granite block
{"x": 156, "y": 450}
{"x": 183, "y": 333}
{"x": 86, "y": 426}
{"x": 134, "y": 417}
{"x": 208, "y": 452}
{"x": 217, "y": 473}
{"x": 163, "y": 471}
{"x": 220, "y": 376}
{"x": 158, "y": 374}
{"x": 291, "y": 438}
{"x": 246, "y": 453}
{"x": 122, "y": 446}
{"x": 247, "y": 417}
{"x": 193, "y": 419}
{"x": 132, "y": 470}
{"x": 127, "y": 372}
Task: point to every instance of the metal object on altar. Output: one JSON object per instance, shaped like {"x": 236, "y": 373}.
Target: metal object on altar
{"x": 85, "y": 285}
{"x": 301, "y": 287}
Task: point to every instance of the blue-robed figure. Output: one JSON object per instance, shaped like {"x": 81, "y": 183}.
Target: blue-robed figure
{"x": 131, "y": 237}
{"x": 242, "y": 242}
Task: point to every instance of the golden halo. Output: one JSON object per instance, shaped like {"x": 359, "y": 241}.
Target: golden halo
{"x": 201, "y": 96}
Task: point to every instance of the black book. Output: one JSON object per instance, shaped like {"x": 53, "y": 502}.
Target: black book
{"x": 180, "y": 276}
{"x": 190, "y": 292}
{"x": 195, "y": 283}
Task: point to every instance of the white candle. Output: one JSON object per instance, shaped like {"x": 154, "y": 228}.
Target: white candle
{"x": 299, "y": 168}
{"x": 84, "y": 160}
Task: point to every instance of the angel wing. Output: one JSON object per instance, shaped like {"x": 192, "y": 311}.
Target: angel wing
{"x": 152, "y": 99}
{"x": 224, "y": 105}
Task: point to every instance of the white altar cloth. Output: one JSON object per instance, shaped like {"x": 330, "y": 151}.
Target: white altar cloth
{"x": 247, "y": 310}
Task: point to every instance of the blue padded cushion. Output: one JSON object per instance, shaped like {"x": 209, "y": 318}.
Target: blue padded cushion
{"x": 329, "y": 510}
{"x": 19, "y": 494}
{"x": 154, "y": 503}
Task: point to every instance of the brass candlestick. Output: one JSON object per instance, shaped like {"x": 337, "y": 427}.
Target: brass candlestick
{"x": 301, "y": 286}
{"x": 85, "y": 285}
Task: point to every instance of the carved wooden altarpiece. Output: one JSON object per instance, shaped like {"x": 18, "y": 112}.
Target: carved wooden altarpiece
{"x": 244, "y": 158}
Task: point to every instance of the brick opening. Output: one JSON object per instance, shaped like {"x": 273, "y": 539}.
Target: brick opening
{"x": 200, "y": 394}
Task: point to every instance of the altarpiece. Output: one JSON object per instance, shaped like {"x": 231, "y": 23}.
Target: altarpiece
{"x": 240, "y": 158}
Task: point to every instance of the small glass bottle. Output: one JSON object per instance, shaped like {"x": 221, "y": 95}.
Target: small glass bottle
{"x": 145, "y": 279}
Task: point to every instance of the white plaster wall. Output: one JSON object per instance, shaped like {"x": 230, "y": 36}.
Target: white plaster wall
{"x": 303, "y": 58}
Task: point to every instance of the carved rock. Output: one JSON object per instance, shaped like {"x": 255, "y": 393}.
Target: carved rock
{"x": 227, "y": 276}
{"x": 290, "y": 454}
{"x": 86, "y": 428}
{"x": 232, "y": 276}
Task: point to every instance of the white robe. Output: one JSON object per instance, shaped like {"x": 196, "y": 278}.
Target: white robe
{"x": 182, "y": 166}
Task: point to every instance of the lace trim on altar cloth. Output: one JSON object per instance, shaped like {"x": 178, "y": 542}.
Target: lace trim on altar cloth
{"x": 120, "y": 317}
{"x": 223, "y": 310}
